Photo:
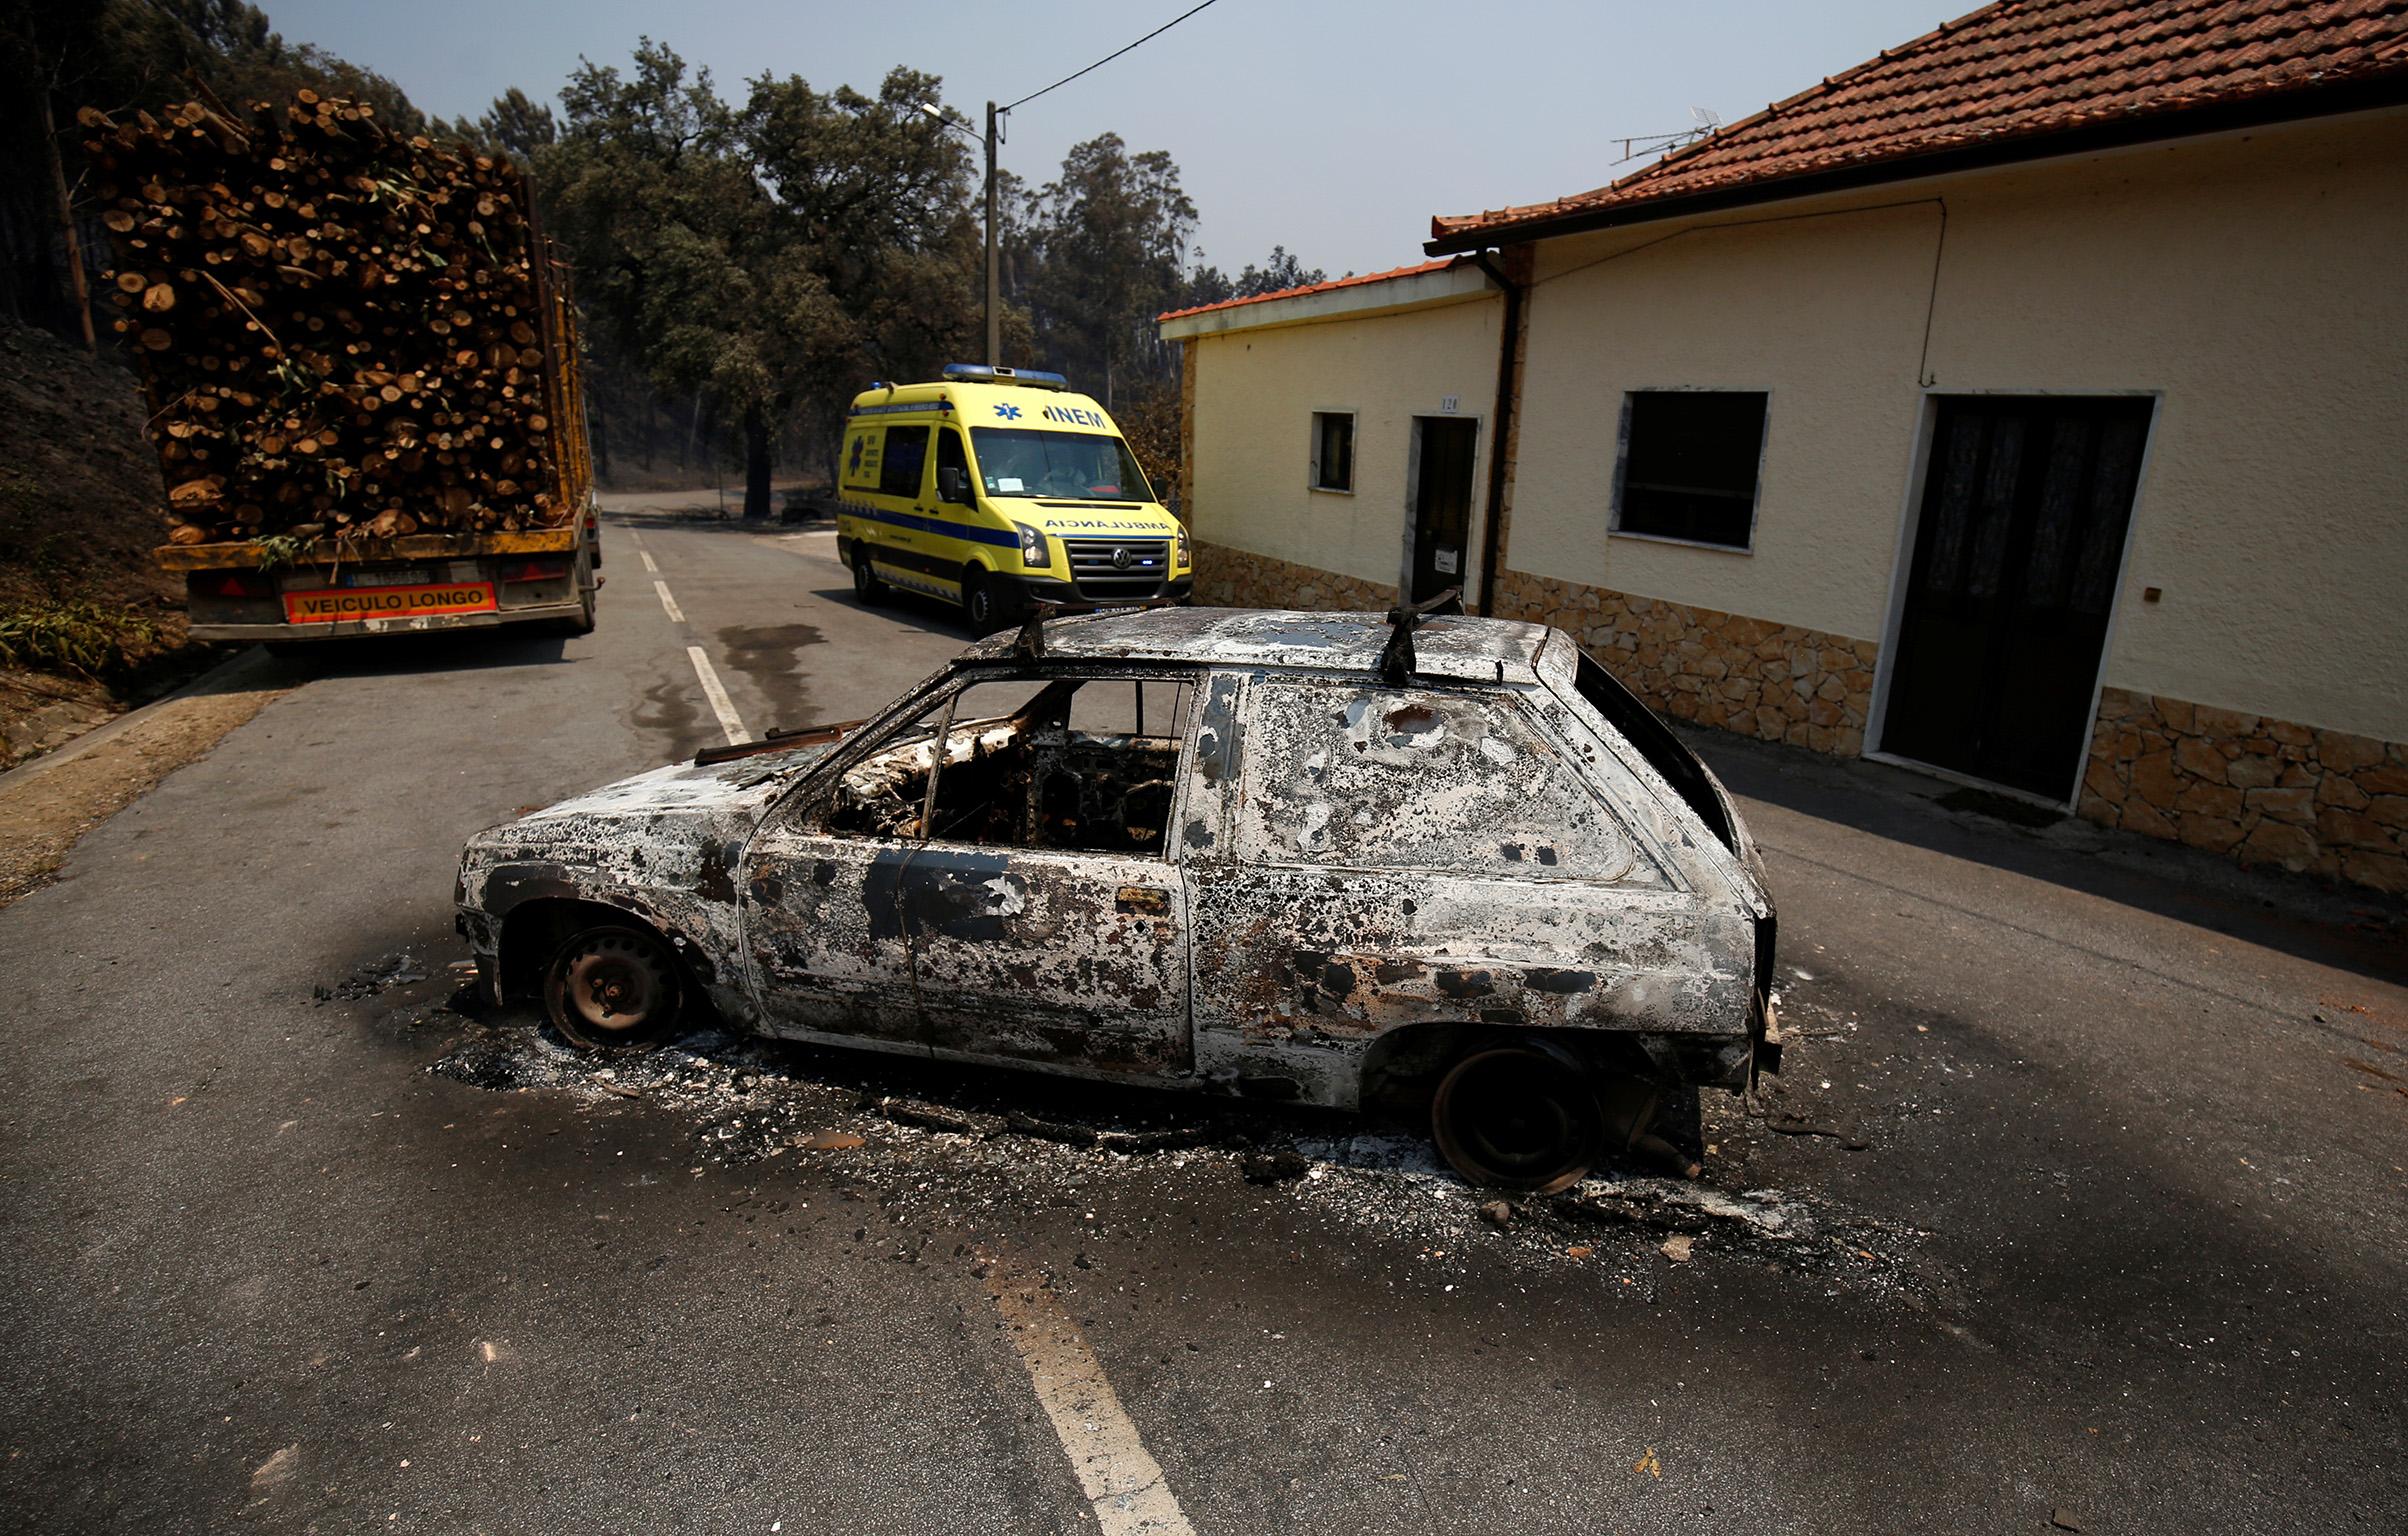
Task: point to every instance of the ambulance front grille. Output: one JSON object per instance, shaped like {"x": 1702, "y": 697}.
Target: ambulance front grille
{"x": 1118, "y": 568}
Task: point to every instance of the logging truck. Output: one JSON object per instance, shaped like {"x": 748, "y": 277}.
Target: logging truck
{"x": 362, "y": 370}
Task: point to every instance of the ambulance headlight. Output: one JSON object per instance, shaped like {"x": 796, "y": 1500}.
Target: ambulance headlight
{"x": 1179, "y": 548}
{"x": 1033, "y": 552}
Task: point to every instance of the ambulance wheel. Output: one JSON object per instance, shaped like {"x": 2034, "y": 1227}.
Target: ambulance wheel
{"x": 979, "y": 603}
{"x": 866, "y": 585}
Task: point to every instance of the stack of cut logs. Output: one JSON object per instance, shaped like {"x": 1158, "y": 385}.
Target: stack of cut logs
{"x": 342, "y": 329}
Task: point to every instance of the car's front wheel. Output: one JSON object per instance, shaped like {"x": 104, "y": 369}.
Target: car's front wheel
{"x": 979, "y": 602}
{"x": 1516, "y": 1117}
{"x": 613, "y": 987}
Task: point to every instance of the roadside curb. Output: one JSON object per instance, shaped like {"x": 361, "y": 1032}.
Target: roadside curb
{"x": 240, "y": 668}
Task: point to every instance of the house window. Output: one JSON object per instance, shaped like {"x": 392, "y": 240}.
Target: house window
{"x": 1689, "y": 465}
{"x": 1333, "y": 451}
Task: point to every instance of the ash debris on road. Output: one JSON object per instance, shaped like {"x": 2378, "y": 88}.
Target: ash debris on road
{"x": 397, "y": 969}
{"x": 941, "y": 1146}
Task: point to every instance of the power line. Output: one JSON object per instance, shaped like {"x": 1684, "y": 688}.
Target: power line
{"x": 1109, "y": 57}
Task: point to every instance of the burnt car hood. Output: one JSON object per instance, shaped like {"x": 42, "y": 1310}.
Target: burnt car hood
{"x": 651, "y": 827}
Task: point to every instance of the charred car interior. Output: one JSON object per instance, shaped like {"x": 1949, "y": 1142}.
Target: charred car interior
{"x": 1434, "y": 864}
{"x": 1026, "y": 776}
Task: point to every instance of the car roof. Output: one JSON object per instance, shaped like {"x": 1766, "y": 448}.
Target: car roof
{"x": 1456, "y": 646}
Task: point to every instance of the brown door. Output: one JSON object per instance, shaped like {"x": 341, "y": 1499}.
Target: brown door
{"x": 2017, "y": 552}
{"x": 1442, "y": 503}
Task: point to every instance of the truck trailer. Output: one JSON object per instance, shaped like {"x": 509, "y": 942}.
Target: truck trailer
{"x": 362, "y": 368}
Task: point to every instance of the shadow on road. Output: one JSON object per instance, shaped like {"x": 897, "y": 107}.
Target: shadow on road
{"x": 2359, "y": 931}
{"x": 910, "y": 610}
{"x": 460, "y": 650}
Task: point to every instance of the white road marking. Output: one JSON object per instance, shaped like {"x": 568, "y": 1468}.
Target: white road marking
{"x": 669, "y": 606}
{"x": 721, "y": 704}
{"x": 1119, "y": 1476}
{"x": 648, "y": 564}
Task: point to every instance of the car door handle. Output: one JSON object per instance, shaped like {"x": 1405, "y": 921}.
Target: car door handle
{"x": 1150, "y": 900}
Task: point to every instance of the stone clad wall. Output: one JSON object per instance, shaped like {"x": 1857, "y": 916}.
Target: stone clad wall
{"x": 1776, "y": 682}
{"x": 1240, "y": 578}
{"x": 2258, "y": 790}
{"x": 2264, "y": 791}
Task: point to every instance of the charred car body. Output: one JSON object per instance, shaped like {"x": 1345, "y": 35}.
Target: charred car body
{"x": 1315, "y": 857}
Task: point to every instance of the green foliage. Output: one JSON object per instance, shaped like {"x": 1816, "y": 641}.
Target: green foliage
{"x": 767, "y": 254}
{"x": 515, "y": 125}
{"x": 74, "y": 635}
{"x": 1102, "y": 248}
{"x": 279, "y": 549}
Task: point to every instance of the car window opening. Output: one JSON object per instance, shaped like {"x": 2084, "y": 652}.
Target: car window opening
{"x": 1664, "y": 752}
{"x": 1071, "y": 769}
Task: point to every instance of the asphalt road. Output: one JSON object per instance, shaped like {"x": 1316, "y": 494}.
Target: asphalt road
{"x": 2082, "y": 1199}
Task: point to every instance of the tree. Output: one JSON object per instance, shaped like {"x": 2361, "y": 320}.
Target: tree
{"x": 1279, "y": 272}
{"x": 1107, "y": 240}
{"x": 871, "y": 198}
{"x": 515, "y": 125}
{"x": 1208, "y": 284}
{"x": 762, "y": 255}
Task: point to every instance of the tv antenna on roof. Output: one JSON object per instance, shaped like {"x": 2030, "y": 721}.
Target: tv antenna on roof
{"x": 1703, "y": 120}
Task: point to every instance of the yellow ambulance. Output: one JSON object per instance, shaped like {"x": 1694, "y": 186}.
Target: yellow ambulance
{"x": 996, "y": 486}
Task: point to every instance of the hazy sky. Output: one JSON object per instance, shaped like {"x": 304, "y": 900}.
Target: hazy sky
{"x": 1334, "y": 129}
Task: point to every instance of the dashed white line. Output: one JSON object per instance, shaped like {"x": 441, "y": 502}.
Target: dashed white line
{"x": 648, "y": 562}
{"x": 669, "y": 606}
{"x": 1119, "y": 1476}
{"x": 721, "y": 704}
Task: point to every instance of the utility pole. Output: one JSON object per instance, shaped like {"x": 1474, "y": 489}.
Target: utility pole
{"x": 994, "y": 270}
{"x": 994, "y": 280}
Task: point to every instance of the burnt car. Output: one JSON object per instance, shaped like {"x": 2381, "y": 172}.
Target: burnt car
{"x": 1442, "y": 865}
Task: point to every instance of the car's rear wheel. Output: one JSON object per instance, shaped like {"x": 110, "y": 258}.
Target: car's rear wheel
{"x": 1516, "y": 1117}
{"x": 613, "y": 987}
{"x": 866, "y": 585}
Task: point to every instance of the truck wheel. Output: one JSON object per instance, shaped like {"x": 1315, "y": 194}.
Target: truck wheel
{"x": 866, "y": 585}
{"x": 583, "y": 623}
{"x": 979, "y": 602}
{"x": 1513, "y": 1117}
{"x": 614, "y": 987}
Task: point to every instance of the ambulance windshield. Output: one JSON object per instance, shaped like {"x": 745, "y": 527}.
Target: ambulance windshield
{"x": 1065, "y": 466}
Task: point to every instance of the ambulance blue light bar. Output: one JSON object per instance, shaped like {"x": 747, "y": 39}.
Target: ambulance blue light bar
{"x": 996, "y": 373}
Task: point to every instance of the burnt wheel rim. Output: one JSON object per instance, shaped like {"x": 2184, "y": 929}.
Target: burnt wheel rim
{"x": 1514, "y": 1118}
{"x": 614, "y": 989}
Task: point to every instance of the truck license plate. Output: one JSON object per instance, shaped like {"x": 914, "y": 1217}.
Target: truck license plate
{"x": 387, "y": 576}
{"x": 335, "y": 605}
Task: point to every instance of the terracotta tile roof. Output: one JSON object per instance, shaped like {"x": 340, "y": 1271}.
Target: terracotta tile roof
{"x": 1393, "y": 273}
{"x": 2019, "y": 69}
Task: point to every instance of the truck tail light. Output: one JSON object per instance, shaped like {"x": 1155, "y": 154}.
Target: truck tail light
{"x": 235, "y": 584}
{"x": 536, "y": 570}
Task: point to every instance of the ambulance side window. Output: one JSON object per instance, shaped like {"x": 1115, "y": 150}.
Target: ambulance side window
{"x": 952, "y": 468}
{"x": 861, "y": 460}
{"x": 906, "y": 456}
